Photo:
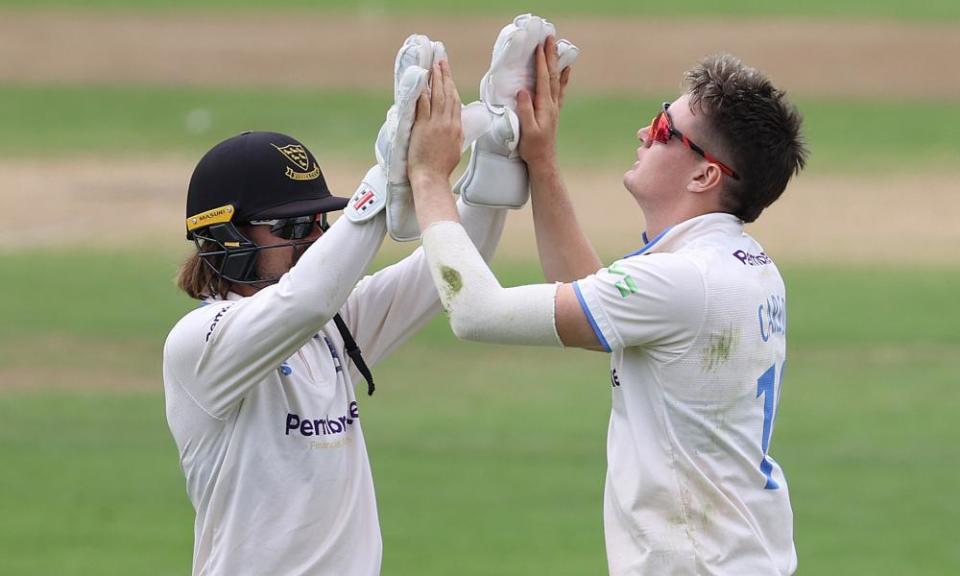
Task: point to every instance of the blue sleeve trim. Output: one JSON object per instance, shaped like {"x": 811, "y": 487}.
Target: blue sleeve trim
{"x": 593, "y": 323}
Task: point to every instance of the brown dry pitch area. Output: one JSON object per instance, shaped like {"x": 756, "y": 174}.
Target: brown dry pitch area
{"x": 809, "y": 57}
{"x": 106, "y": 202}
{"x": 134, "y": 203}
{"x": 899, "y": 219}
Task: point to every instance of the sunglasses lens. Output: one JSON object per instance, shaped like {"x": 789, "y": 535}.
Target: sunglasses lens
{"x": 292, "y": 228}
{"x": 300, "y": 227}
{"x": 301, "y": 230}
{"x": 283, "y": 229}
{"x": 660, "y": 129}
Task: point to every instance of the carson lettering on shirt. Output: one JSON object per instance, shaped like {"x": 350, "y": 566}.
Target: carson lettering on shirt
{"x": 696, "y": 323}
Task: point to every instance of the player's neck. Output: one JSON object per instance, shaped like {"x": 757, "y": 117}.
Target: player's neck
{"x": 659, "y": 221}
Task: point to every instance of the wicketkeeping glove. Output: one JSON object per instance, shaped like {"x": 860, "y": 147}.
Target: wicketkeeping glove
{"x": 496, "y": 176}
{"x": 411, "y": 76}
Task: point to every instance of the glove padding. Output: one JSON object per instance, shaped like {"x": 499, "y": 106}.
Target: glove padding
{"x": 496, "y": 176}
{"x": 393, "y": 143}
{"x": 411, "y": 74}
{"x": 512, "y": 66}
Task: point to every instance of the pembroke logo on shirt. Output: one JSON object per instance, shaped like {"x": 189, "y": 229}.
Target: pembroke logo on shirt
{"x": 327, "y": 426}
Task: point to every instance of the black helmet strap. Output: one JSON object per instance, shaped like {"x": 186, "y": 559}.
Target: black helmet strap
{"x": 353, "y": 351}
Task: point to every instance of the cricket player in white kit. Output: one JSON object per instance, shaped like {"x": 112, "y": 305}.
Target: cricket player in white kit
{"x": 694, "y": 320}
{"x": 259, "y": 380}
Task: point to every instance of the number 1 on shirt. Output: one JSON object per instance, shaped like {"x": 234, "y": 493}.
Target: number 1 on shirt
{"x": 766, "y": 387}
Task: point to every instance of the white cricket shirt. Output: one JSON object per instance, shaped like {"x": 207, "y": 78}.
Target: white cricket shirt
{"x": 262, "y": 408}
{"x": 696, "y": 323}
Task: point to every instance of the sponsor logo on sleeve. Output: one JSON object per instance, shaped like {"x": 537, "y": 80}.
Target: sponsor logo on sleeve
{"x": 216, "y": 320}
{"x": 364, "y": 198}
{"x": 625, "y": 285}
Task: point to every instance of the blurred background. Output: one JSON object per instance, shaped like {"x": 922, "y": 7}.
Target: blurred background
{"x": 486, "y": 460}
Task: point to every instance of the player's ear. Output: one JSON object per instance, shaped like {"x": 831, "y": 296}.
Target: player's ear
{"x": 706, "y": 177}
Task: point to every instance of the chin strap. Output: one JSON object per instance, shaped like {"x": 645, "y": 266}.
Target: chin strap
{"x": 353, "y": 351}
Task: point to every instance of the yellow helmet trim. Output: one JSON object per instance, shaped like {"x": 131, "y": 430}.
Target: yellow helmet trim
{"x": 215, "y": 216}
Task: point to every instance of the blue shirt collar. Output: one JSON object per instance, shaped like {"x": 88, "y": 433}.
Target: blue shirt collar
{"x": 648, "y": 244}
{"x": 680, "y": 229}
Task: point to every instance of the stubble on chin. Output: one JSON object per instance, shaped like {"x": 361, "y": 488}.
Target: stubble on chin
{"x": 297, "y": 252}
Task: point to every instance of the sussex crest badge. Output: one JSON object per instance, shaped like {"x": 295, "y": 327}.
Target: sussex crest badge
{"x": 297, "y": 155}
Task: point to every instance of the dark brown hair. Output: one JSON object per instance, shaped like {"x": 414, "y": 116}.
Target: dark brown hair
{"x": 198, "y": 279}
{"x": 755, "y": 128}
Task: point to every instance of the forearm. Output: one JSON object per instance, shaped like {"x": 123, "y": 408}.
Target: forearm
{"x": 433, "y": 200}
{"x": 254, "y": 335}
{"x": 565, "y": 252}
{"x": 479, "y": 308}
{"x": 278, "y": 318}
{"x": 331, "y": 268}
{"x": 388, "y": 307}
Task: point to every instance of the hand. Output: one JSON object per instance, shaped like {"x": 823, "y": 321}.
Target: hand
{"x": 437, "y": 134}
{"x": 540, "y": 114}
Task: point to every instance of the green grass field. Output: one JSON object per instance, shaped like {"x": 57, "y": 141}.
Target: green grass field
{"x": 845, "y": 136}
{"x": 490, "y": 460}
{"x": 930, "y": 10}
{"x": 487, "y": 460}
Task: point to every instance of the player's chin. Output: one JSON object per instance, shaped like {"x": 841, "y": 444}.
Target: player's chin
{"x": 631, "y": 178}
{"x": 298, "y": 251}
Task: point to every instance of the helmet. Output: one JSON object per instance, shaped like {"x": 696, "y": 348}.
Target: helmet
{"x": 254, "y": 176}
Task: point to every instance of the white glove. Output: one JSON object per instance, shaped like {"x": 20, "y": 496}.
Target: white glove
{"x": 391, "y": 152}
{"x": 496, "y": 176}
{"x": 411, "y": 74}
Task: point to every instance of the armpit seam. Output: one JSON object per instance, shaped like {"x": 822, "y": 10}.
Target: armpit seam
{"x": 186, "y": 391}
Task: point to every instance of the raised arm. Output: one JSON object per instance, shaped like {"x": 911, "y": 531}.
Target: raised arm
{"x": 222, "y": 350}
{"x": 390, "y": 306}
{"x": 479, "y": 308}
{"x": 565, "y": 252}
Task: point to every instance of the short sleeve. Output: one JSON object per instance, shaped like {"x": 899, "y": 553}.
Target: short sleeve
{"x": 653, "y": 300}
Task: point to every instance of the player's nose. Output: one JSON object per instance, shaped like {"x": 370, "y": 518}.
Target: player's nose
{"x": 642, "y": 136}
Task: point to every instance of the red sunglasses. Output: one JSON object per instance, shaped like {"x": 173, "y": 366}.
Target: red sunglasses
{"x": 661, "y": 130}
